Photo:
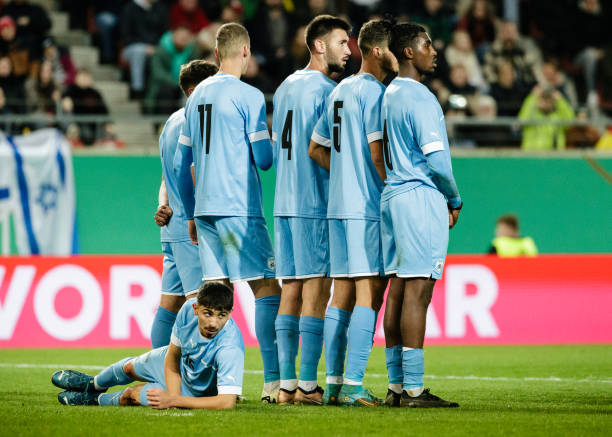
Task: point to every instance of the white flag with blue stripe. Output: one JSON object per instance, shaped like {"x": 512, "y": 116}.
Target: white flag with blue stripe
{"x": 37, "y": 193}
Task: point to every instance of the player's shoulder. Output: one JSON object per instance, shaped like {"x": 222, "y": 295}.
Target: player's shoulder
{"x": 408, "y": 92}
{"x": 232, "y": 337}
{"x": 186, "y": 312}
{"x": 312, "y": 79}
{"x": 367, "y": 85}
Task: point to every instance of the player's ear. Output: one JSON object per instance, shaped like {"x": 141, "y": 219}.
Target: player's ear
{"x": 319, "y": 45}
{"x": 377, "y": 51}
{"x": 195, "y": 309}
{"x": 217, "y": 53}
{"x": 408, "y": 52}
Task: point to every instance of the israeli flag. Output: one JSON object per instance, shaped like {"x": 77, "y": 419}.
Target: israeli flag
{"x": 37, "y": 194}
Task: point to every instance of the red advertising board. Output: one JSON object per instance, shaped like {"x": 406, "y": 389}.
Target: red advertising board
{"x": 92, "y": 301}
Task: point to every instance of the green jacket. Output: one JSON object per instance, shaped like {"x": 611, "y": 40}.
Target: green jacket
{"x": 543, "y": 136}
{"x": 511, "y": 247}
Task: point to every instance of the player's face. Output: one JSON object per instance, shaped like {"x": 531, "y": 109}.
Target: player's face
{"x": 210, "y": 320}
{"x": 338, "y": 52}
{"x": 424, "y": 54}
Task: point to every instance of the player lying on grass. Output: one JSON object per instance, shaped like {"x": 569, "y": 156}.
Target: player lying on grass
{"x": 201, "y": 368}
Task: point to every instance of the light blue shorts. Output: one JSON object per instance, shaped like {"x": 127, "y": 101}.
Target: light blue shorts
{"x": 414, "y": 229}
{"x": 237, "y": 248}
{"x": 182, "y": 274}
{"x": 301, "y": 247}
{"x": 150, "y": 367}
{"x": 355, "y": 248}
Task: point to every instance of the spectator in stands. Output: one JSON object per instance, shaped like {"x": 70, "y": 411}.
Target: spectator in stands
{"x": 508, "y": 241}
{"x": 232, "y": 12}
{"x": 15, "y": 49}
{"x": 143, "y": 22}
{"x": 188, "y": 13}
{"x": 581, "y": 136}
{"x": 605, "y": 142}
{"x": 549, "y": 76}
{"x": 81, "y": 98}
{"x": 438, "y": 20}
{"x": 106, "y": 13}
{"x": 175, "y": 49}
{"x": 461, "y": 52}
{"x": 457, "y": 85}
{"x": 43, "y": 94}
{"x": 540, "y": 106}
{"x": 64, "y": 70}
{"x": 255, "y": 77}
{"x": 520, "y": 51}
{"x": 13, "y": 86}
{"x": 33, "y": 24}
{"x": 299, "y": 49}
{"x": 479, "y": 22}
{"x": 508, "y": 92}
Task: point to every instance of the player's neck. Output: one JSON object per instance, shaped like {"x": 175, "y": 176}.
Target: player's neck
{"x": 317, "y": 63}
{"x": 372, "y": 67}
{"x": 231, "y": 66}
{"x": 409, "y": 70}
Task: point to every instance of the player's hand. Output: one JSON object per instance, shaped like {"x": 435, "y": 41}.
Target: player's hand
{"x": 193, "y": 234}
{"x": 453, "y": 217}
{"x": 159, "y": 399}
{"x": 162, "y": 215}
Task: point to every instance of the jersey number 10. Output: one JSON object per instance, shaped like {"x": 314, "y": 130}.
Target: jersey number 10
{"x": 208, "y": 109}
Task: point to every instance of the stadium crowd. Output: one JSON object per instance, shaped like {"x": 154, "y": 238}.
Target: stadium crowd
{"x": 510, "y": 58}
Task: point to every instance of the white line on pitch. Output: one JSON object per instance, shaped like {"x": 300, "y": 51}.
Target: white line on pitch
{"x": 372, "y": 375}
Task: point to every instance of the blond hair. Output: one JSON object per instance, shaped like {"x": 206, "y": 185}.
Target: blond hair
{"x": 230, "y": 38}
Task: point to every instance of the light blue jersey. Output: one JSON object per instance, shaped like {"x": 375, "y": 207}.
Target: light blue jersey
{"x": 350, "y": 122}
{"x": 208, "y": 364}
{"x": 225, "y": 118}
{"x": 301, "y": 184}
{"x": 415, "y": 143}
{"x": 176, "y": 229}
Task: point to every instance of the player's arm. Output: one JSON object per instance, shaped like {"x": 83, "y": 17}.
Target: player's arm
{"x": 376, "y": 152}
{"x": 320, "y": 142}
{"x": 159, "y": 399}
{"x": 172, "y": 370}
{"x": 320, "y": 154}
{"x": 371, "y": 101}
{"x": 164, "y": 212}
{"x": 257, "y": 130}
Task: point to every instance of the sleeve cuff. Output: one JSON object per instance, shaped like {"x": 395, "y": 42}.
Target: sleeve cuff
{"x": 319, "y": 139}
{"x": 174, "y": 340}
{"x": 434, "y": 146}
{"x": 259, "y": 135}
{"x": 185, "y": 141}
{"x": 455, "y": 203}
{"x": 229, "y": 390}
{"x": 274, "y": 137}
{"x": 374, "y": 136}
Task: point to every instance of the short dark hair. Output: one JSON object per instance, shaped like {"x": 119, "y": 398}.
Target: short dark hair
{"x": 195, "y": 72}
{"x": 402, "y": 36}
{"x": 216, "y": 295}
{"x": 509, "y": 220}
{"x": 374, "y": 33}
{"x": 321, "y": 25}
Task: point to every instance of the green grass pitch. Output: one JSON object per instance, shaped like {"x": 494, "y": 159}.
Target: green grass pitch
{"x": 502, "y": 390}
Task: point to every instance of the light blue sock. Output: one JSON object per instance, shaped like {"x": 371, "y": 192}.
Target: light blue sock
{"x": 393, "y": 357}
{"x": 266, "y": 309}
{"x": 162, "y": 327}
{"x": 360, "y": 338}
{"x": 413, "y": 366}
{"x": 110, "y": 399}
{"x": 334, "y": 333}
{"x": 288, "y": 340}
{"x": 311, "y": 331}
{"x": 113, "y": 375}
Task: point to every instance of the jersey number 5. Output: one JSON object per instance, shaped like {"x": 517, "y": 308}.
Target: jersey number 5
{"x": 337, "y": 120}
{"x": 208, "y": 109}
{"x": 386, "y": 147}
{"x": 286, "y": 135}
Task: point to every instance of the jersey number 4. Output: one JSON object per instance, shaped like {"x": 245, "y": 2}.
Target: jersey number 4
{"x": 208, "y": 109}
{"x": 286, "y": 135}
{"x": 386, "y": 147}
{"x": 338, "y": 104}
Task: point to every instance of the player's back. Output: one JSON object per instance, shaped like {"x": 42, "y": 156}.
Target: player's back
{"x": 353, "y": 118}
{"x": 176, "y": 229}
{"x": 301, "y": 184}
{"x": 223, "y": 116}
{"x": 413, "y": 127}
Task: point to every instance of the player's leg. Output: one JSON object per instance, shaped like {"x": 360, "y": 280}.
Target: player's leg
{"x": 393, "y": 341}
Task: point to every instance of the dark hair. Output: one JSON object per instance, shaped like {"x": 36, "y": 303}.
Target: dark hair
{"x": 321, "y": 25}
{"x": 510, "y": 220}
{"x": 216, "y": 295}
{"x": 374, "y": 33}
{"x": 402, "y": 36}
{"x": 195, "y": 72}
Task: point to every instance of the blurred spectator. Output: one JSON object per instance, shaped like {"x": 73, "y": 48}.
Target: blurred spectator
{"x": 143, "y": 22}
{"x": 605, "y": 142}
{"x": 81, "y": 98}
{"x": 106, "y": 13}
{"x": 64, "y": 70}
{"x": 520, "y": 51}
{"x": 508, "y": 241}
{"x": 461, "y": 52}
{"x": 232, "y": 12}
{"x": 188, "y": 13}
{"x": 588, "y": 42}
{"x": 581, "y": 136}
{"x": 43, "y": 94}
{"x": 15, "y": 49}
{"x": 13, "y": 87}
{"x": 307, "y": 10}
{"x": 33, "y": 24}
{"x": 549, "y": 76}
{"x": 438, "y": 20}
{"x": 255, "y": 77}
{"x": 540, "y": 106}
{"x": 458, "y": 82}
{"x": 479, "y": 22}
{"x": 175, "y": 49}
{"x": 299, "y": 49}
{"x": 508, "y": 92}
